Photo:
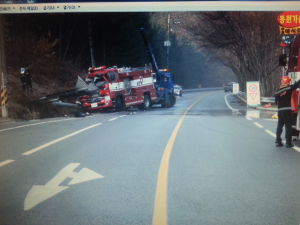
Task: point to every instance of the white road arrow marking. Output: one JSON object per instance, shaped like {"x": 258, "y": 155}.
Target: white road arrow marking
{"x": 83, "y": 175}
{"x": 40, "y": 193}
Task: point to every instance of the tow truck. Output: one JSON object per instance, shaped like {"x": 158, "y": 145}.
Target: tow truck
{"x": 163, "y": 79}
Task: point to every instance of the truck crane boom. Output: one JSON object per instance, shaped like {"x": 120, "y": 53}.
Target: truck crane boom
{"x": 164, "y": 80}
{"x": 150, "y": 52}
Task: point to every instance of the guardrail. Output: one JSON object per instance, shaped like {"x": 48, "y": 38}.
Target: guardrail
{"x": 267, "y": 99}
{"x": 241, "y": 94}
{"x": 63, "y": 104}
{"x": 201, "y": 89}
{"x": 262, "y": 99}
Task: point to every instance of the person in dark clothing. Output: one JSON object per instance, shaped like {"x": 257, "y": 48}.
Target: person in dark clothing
{"x": 23, "y": 79}
{"x": 283, "y": 99}
{"x": 28, "y": 78}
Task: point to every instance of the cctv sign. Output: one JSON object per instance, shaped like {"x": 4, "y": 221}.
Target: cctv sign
{"x": 253, "y": 93}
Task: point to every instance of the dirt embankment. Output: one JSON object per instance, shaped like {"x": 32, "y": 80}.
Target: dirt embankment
{"x": 27, "y": 105}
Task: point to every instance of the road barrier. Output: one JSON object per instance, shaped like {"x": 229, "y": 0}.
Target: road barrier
{"x": 63, "y": 104}
{"x": 262, "y": 99}
{"x": 267, "y": 99}
{"x": 201, "y": 89}
{"x": 3, "y": 94}
{"x": 4, "y": 97}
{"x": 241, "y": 94}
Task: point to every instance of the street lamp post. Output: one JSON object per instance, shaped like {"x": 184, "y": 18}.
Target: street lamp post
{"x": 168, "y": 43}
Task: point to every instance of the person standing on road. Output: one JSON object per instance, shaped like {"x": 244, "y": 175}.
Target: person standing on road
{"x": 28, "y": 78}
{"x": 283, "y": 100}
{"x": 23, "y": 79}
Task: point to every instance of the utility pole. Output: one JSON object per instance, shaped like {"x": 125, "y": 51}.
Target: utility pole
{"x": 91, "y": 44}
{"x": 168, "y": 43}
{"x": 3, "y": 71}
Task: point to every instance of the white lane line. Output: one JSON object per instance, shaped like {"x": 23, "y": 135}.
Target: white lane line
{"x": 113, "y": 119}
{"x": 274, "y": 135}
{"x": 271, "y": 133}
{"x": 6, "y": 162}
{"x": 248, "y": 118}
{"x": 27, "y": 125}
{"x": 296, "y": 148}
{"x": 257, "y": 124}
{"x": 59, "y": 139}
{"x": 234, "y": 110}
{"x": 123, "y": 116}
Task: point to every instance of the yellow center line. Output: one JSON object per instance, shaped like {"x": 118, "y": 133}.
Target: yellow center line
{"x": 160, "y": 204}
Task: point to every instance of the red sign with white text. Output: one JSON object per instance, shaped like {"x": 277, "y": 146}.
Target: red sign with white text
{"x": 289, "y": 19}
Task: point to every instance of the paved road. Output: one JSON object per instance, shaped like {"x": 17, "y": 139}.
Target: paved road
{"x": 208, "y": 160}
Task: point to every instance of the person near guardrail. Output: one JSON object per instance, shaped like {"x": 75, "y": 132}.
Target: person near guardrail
{"x": 28, "y": 76}
{"x": 23, "y": 79}
{"x": 283, "y": 98}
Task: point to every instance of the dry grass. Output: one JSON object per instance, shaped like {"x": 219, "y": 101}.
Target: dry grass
{"x": 27, "y": 105}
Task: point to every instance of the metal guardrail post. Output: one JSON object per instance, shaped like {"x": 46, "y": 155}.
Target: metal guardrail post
{"x": 4, "y": 99}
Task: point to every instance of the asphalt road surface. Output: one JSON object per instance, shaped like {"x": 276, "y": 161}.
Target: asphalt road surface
{"x": 207, "y": 160}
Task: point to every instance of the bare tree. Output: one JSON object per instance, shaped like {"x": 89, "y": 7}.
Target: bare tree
{"x": 247, "y": 42}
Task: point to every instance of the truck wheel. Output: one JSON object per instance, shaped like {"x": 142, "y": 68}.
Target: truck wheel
{"x": 173, "y": 100}
{"x": 162, "y": 102}
{"x": 169, "y": 103}
{"x": 146, "y": 104}
{"x": 119, "y": 104}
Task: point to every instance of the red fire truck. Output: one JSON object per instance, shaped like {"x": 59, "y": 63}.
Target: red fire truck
{"x": 119, "y": 88}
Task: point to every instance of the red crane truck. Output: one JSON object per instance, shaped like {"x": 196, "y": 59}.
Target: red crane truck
{"x": 119, "y": 88}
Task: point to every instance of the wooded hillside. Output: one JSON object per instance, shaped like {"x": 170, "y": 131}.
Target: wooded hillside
{"x": 207, "y": 48}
